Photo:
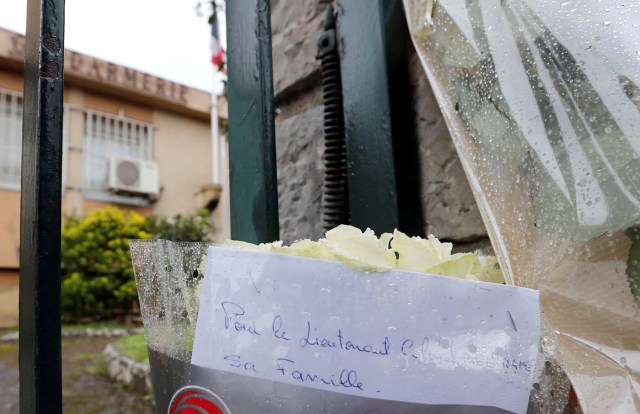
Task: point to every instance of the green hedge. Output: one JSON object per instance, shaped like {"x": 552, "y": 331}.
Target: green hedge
{"x": 182, "y": 227}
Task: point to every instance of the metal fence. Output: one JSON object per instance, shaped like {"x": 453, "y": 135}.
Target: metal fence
{"x": 375, "y": 193}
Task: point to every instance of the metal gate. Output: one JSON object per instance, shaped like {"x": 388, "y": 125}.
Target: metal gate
{"x": 373, "y": 127}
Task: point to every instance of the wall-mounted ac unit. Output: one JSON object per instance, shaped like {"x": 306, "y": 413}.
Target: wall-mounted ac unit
{"x": 134, "y": 177}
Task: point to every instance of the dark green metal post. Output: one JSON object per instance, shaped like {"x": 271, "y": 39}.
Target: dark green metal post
{"x": 373, "y": 195}
{"x": 405, "y": 141}
{"x": 252, "y": 155}
{"x": 40, "y": 356}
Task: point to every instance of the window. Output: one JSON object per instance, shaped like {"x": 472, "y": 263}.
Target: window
{"x": 10, "y": 138}
{"x": 107, "y": 136}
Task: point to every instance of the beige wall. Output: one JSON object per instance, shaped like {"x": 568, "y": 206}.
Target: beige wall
{"x": 11, "y": 80}
{"x": 89, "y": 205}
{"x": 116, "y": 106}
{"x": 8, "y": 298}
{"x": 9, "y": 228}
{"x": 182, "y": 149}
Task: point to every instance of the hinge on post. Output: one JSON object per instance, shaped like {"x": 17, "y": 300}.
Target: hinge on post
{"x": 335, "y": 197}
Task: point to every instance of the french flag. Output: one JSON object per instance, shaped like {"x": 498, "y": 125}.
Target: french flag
{"x": 217, "y": 52}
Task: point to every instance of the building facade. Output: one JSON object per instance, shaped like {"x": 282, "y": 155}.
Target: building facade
{"x": 131, "y": 139}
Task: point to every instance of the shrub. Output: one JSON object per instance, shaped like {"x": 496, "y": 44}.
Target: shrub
{"x": 97, "y": 277}
{"x": 182, "y": 227}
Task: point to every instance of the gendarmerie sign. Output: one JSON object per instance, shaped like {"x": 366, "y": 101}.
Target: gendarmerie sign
{"x": 101, "y": 71}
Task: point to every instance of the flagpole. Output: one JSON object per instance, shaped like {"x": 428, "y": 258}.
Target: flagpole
{"x": 216, "y": 54}
{"x": 215, "y": 137}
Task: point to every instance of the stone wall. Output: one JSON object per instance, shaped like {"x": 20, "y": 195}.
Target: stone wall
{"x": 449, "y": 210}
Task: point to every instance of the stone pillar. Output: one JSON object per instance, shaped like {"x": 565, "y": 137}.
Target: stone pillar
{"x": 296, "y": 26}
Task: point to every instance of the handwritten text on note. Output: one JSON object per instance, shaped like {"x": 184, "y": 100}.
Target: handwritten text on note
{"x": 393, "y": 335}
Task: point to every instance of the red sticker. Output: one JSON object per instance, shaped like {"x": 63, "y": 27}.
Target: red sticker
{"x": 196, "y": 400}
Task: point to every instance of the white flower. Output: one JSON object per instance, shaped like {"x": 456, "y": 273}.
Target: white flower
{"x": 366, "y": 252}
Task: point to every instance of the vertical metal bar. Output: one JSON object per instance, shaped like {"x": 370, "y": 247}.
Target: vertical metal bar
{"x": 130, "y": 141}
{"x": 10, "y": 143}
{"x": 149, "y": 143}
{"x": 365, "y": 89}
{"x": 405, "y": 142}
{"x": 40, "y": 221}
{"x": 254, "y": 191}
{"x": 126, "y": 137}
{"x": 101, "y": 153}
{"x": 9, "y": 122}
{"x": 18, "y": 137}
{"x": 124, "y": 130}
{"x": 14, "y": 136}
{"x": 142, "y": 149}
{"x": 108, "y": 135}
{"x": 117, "y": 130}
{"x": 11, "y": 135}
{"x": 18, "y": 151}
{"x": 65, "y": 146}
{"x": 122, "y": 137}
{"x": 137, "y": 144}
{"x": 142, "y": 146}
{"x": 87, "y": 174}
{"x": 133, "y": 147}
{"x": 4, "y": 117}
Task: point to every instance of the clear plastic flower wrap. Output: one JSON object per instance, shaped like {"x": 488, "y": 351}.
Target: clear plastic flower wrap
{"x": 171, "y": 278}
{"x": 542, "y": 101}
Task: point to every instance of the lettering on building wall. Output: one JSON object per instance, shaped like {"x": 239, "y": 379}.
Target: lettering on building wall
{"x": 102, "y": 71}
{"x": 17, "y": 46}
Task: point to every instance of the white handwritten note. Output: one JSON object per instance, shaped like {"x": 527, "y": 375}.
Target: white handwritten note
{"x": 394, "y": 335}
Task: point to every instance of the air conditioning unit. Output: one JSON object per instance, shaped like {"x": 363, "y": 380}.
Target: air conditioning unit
{"x": 134, "y": 177}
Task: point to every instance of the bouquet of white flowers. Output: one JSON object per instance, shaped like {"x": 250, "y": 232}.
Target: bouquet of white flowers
{"x": 362, "y": 250}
